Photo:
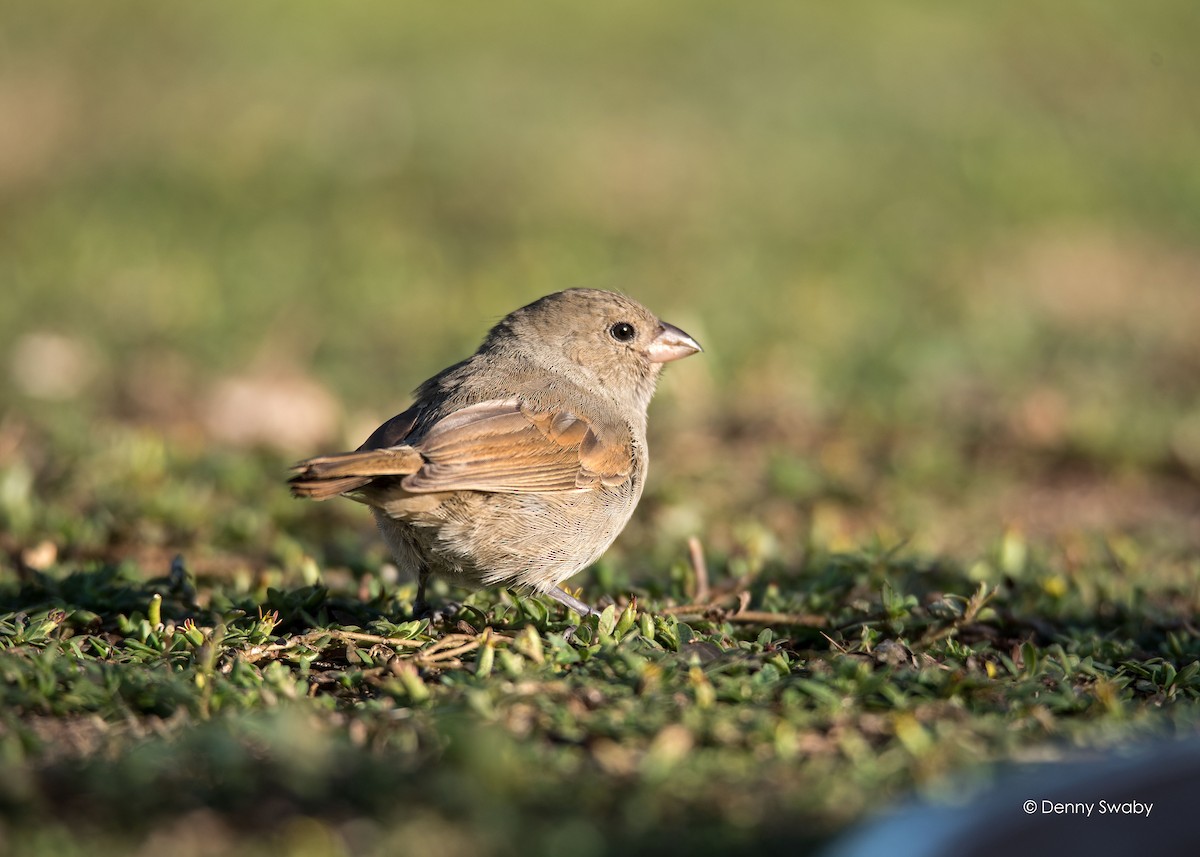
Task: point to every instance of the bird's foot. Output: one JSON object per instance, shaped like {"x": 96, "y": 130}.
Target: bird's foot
{"x": 568, "y": 600}
{"x": 446, "y": 612}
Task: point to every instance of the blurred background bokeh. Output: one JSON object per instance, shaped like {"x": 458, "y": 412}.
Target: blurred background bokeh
{"x": 944, "y": 260}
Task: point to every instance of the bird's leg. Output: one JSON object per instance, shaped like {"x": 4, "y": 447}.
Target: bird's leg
{"x": 567, "y": 599}
{"x": 422, "y": 608}
{"x": 421, "y": 605}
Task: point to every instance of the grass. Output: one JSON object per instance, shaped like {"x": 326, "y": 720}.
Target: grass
{"x": 246, "y": 711}
{"x": 941, "y": 454}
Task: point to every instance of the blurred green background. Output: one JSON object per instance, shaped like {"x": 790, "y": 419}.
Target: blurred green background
{"x": 925, "y": 246}
{"x": 943, "y": 258}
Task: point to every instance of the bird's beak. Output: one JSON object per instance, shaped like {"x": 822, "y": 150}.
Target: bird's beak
{"x": 671, "y": 344}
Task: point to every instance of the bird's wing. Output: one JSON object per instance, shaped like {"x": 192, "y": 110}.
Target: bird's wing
{"x": 505, "y": 447}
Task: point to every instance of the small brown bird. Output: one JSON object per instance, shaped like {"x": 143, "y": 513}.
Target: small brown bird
{"x": 521, "y": 464}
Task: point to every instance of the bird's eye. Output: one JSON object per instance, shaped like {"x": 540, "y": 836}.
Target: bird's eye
{"x": 622, "y": 331}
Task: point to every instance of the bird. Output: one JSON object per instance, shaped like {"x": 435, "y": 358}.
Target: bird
{"x": 520, "y": 465}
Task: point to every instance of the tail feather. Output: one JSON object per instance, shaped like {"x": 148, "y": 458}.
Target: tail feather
{"x": 324, "y": 489}
{"x": 331, "y": 475}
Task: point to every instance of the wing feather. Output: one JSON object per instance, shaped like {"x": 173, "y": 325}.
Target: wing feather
{"x": 504, "y": 447}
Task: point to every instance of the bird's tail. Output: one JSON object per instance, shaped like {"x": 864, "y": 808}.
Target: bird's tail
{"x": 331, "y": 475}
